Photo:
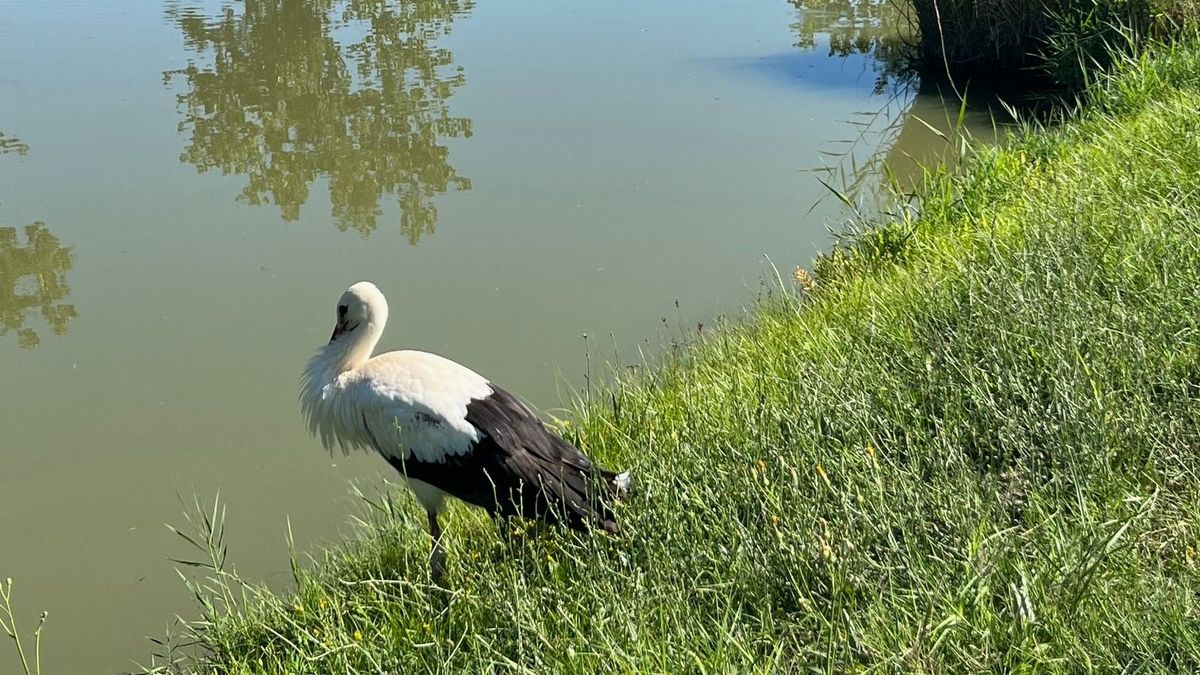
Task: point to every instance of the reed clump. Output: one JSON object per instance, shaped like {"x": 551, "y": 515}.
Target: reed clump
{"x": 1057, "y": 41}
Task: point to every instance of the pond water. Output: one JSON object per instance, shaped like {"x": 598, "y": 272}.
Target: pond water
{"x": 187, "y": 187}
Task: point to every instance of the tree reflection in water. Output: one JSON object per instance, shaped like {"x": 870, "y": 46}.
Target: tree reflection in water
{"x": 10, "y": 144}
{"x": 915, "y": 123}
{"x": 33, "y": 276}
{"x": 355, "y": 91}
{"x": 877, "y": 28}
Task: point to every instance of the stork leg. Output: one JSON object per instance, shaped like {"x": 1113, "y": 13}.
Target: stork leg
{"x": 437, "y": 556}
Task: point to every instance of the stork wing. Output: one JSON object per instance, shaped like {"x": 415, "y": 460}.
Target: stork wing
{"x": 519, "y": 468}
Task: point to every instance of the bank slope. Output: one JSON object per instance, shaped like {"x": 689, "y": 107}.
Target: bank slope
{"x": 971, "y": 445}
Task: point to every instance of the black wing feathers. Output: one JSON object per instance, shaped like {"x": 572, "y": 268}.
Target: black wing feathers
{"x": 519, "y": 468}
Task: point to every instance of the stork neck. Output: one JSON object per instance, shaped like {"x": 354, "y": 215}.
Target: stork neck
{"x": 353, "y": 349}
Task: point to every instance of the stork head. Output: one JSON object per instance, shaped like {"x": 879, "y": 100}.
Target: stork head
{"x": 361, "y": 309}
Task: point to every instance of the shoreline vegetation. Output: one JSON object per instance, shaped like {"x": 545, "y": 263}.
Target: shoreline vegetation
{"x": 1049, "y": 47}
{"x": 965, "y": 440}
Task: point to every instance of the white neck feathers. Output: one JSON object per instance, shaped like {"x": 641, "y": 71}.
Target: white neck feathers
{"x": 333, "y": 361}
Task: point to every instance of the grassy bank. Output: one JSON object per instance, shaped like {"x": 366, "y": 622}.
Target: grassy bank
{"x": 971, "y": 444}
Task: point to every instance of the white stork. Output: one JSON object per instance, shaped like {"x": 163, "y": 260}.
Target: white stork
{"x": 446, "y": 429}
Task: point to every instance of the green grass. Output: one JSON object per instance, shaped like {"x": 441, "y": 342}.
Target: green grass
{"x": 30, "y": 662}
{"x": 970, "y": 445}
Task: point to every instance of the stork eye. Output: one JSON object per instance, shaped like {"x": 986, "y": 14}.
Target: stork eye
{"x": 342, "y": 309}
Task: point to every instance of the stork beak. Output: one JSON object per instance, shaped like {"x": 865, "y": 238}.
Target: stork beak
{"x": 341, "y": 328}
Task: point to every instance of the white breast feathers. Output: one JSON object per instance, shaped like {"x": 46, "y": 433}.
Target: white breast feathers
{"x": 404, "y": 404}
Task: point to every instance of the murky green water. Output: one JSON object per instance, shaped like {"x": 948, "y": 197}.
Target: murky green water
{"x": 186, "y": 188}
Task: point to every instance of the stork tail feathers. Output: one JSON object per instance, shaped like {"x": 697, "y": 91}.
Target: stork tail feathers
{"x": 617, "y": 486}
{"x": 621, "y": 484}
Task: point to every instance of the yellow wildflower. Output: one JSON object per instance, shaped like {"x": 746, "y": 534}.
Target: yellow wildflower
{"x": 804, "y": 280}
{"x": 358, "y": 636}
{"x": 827, "y": 552}
{"x": 821, "y": 473}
